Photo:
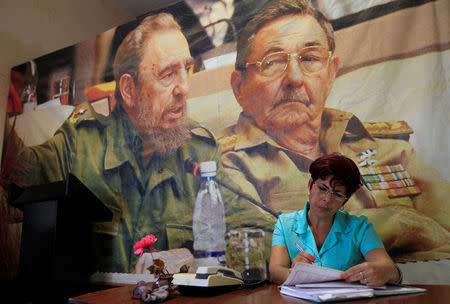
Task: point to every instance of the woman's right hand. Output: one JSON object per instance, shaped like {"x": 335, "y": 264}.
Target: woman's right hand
{"x": 303, "y": 257}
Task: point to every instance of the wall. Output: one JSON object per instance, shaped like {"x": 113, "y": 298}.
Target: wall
{"x": 32, "y": 28}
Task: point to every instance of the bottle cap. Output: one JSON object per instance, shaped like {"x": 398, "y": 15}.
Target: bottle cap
{"x": 208, "y": 168}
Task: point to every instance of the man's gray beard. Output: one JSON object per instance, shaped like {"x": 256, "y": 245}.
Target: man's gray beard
{"x": 165, "y": 141}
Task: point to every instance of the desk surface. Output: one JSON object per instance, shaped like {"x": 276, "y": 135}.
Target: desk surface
{"x": 265, "y": 294}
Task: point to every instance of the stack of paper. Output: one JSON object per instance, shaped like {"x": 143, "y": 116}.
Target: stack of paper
{"x": 327, "y": 294}
{"x": 320, "y": 284}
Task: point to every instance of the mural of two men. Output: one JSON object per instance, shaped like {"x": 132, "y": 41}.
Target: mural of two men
{"x": 134, "y": 160}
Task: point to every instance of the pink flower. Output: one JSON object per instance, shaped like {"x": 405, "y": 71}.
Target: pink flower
{"x": 149, "y": 240}
{"x": 139, "y": 251}
{"x": 144, "y": 243}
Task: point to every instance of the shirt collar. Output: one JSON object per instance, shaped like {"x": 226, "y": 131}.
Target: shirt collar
{"x": 119, "y": 131}
{"x": 339, "y": 223}
{"x": 301, "y": 226}
{"x": 249, "y": 135}
{"x": 337, "y": 126}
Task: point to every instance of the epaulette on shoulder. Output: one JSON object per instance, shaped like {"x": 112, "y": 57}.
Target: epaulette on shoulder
{"x": 389, "y": 129}
{"x": 227, "y": 138}
{"x": 83, "y": 112}
{"x": 203, "y": 132}
{"x": 228, "y": 143}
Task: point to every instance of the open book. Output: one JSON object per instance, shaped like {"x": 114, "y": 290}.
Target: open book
{"x": 320, "y": 284}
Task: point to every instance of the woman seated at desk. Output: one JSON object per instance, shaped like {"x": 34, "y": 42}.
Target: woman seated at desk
{"x": 323, "y": 235}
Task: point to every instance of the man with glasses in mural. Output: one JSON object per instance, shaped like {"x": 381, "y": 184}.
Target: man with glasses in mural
{"x": 135, "y": 160}
{"x": 284, "y": 71}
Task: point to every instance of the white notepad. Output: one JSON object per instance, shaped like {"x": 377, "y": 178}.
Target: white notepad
{"x": 320, "y": 284}
{"x": 327, "y": 294}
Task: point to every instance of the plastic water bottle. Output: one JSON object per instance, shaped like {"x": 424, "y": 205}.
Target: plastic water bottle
{"x": 209, "y": 220}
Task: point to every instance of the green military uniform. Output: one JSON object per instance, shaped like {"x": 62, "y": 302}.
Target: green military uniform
{"x": 104, "y": 153}
{"x": 278, "y": 177}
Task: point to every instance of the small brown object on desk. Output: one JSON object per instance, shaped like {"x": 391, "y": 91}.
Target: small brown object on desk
{"x": 270, "y": 294}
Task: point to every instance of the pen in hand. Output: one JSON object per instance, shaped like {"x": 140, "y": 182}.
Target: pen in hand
{"x": 300, "y": 248}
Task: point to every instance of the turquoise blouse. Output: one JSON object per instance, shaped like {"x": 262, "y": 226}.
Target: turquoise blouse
{"x": 348, "y": 241}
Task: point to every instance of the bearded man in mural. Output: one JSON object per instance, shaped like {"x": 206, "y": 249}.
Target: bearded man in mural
{"x": 135, "y": 160}
{"x": 284, "y": 71}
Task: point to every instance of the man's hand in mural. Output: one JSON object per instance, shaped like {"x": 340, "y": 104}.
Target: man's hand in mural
{"x": 285, "y": 69}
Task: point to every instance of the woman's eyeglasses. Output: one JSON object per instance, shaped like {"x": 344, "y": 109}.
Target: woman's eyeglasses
{"x": 339, "y": 197}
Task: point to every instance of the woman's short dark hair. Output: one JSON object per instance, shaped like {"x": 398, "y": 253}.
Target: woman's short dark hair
{"x": 342, "y": 169}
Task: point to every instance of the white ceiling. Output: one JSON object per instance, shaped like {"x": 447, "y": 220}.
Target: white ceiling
{"x": 141, "y": 7}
